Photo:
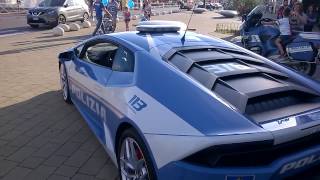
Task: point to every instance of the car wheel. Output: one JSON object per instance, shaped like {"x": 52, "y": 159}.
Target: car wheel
{"x": 306, "y": 68}
{"x": 62, "y": 19}
{"x": 34, "y": 26}
{"x": 85, "y": 17}
{"x": 133, "y": 158}
{"x": 64, "y": 84}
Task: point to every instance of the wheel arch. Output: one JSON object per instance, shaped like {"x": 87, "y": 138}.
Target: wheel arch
{"x": 127, "y": 125}
{"x": 122, "y": 127}
{"x": 63, "y": 14}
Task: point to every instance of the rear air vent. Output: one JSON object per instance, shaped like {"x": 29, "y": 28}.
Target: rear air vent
{"x": 271, "y": 106}
{"x": 249, "y": 84}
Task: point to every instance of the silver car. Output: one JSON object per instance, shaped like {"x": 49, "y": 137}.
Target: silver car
{"x": 53, "y": 12}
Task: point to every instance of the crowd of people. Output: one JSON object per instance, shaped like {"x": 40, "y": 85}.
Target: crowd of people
{"x": 111, "y": 9}
{"x": 299, "y": 19}
{"x": 292, "y": 19}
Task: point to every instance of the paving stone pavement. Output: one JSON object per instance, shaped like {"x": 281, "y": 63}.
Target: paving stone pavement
{"x": 41, "y": 137}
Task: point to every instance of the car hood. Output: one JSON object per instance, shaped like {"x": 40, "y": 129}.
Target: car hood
{"x": 43, "y": 9}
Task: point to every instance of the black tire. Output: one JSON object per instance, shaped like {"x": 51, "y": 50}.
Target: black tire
{"x": 131, "y": 133}
{"x": 306, "y": 68}
{"x": 85, "y": 17}
{"x": 62, "y": 19}
{"x": 64, "y": 88}
{"x": 34, "y": 26}
{"x": 312, "y": 69}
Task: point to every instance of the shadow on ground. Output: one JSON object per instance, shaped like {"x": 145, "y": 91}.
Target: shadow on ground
{"x": 53, "y": 38}
{"x": 22, "y": 29}
{"x": 45, "y": 137}
{"x": 33, "y": 48}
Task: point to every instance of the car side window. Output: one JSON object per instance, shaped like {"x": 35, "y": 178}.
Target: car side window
{"x": 77, "y": 3}
{"x": 123, "y": 61}
{"x": 70, "y": 2}
{"x": 100, "y": 53}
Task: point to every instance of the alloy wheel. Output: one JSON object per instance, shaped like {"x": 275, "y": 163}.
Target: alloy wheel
{"x": 61, "y": 19}
{"x": 85, "y": 16}
{"x": 63, "y": 82}
{"x": 132, "y": 161}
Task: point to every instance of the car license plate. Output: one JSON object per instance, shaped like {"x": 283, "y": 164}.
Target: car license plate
{"x": 35, "y": 18}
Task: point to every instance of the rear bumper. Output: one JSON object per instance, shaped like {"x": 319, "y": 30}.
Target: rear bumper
{"x": 285, "y": 167}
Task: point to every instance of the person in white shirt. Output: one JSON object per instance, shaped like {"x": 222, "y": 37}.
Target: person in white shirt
{"x": 285, "y": 31}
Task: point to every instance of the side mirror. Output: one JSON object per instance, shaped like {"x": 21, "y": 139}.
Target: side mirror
{"x": 66, "y": 5}
{"x": 66, "y": 56}
{"x": 244, "y": 17}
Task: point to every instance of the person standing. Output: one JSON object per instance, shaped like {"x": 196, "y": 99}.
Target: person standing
{"x": 285, "y": 32}
{"x": 99, "y": 7}
{"x": 312, "y": 19}
{"x": 113, "y": 7}
{"x": 292, "y": 3}
{"x": 127, "y": 16}
{"x": 90, "y": 4}
{"x": 146, "y": 10}
{"x": 285, "y": 4}
{"x": 298, "y": 18}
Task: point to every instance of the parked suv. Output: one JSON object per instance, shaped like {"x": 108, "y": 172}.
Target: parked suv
{"x": 53, "y": 12}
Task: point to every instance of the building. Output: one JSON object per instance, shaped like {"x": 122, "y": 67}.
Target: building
{"x": 8, "y": 1}
{"x": 30, "y": 3}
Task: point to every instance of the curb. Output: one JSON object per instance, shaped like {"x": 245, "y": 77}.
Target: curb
{"x": 14, "y": 13}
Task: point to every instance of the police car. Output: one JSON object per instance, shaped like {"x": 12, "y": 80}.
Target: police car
{"x": 170, "y": 104}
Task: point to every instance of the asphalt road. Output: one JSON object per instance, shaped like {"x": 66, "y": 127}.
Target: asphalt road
{"x": 14, "y": 24}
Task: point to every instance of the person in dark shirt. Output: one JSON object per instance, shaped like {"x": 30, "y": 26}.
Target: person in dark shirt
{"x": 113, "y": 8}
{"x": 298, "y": 19}
{"x": 312, "y": 19}
{"x": 146, "y": 10}
{"x": 99, "y": 7}
{"x": 127, "y": 16}
{"x": 90, "y": 4}
{"x": 285, "y": 4}
{"x": 292, "y": 3}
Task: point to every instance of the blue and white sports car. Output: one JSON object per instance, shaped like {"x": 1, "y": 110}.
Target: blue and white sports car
{"x": 170, "y": 105}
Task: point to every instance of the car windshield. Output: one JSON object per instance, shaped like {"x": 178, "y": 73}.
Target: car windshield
{"x": 263, "y": 10}
{"x": 51, "y": 3}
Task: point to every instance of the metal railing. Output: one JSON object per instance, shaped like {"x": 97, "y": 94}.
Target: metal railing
{"x": 10, "y": 7}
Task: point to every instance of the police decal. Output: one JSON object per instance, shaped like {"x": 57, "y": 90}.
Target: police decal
{"x": 136, "y": 104}
{"x": 90, "y": 102}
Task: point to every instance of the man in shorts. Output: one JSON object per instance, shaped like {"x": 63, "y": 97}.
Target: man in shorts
{"x": 285, "y": 32}
{"x": 99, "y": 7}
{"x": 113, "y": 8}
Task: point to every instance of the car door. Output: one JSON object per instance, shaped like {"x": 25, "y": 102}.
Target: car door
{"x": 89, "y": 74}
{"x": 79, "y": 10}
{"x": 70, "y": 10}
{"x": 118, "y": 90}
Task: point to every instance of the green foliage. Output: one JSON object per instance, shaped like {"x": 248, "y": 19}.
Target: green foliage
{"x": 242, "y": 6}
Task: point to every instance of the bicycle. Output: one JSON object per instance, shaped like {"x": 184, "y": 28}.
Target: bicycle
{"x": 107, "y": 25}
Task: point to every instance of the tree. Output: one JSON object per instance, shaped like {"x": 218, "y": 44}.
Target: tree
{"x": 242, "y": 6}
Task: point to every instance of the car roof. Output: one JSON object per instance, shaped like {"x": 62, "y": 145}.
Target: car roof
{"x": 170, "y": 40}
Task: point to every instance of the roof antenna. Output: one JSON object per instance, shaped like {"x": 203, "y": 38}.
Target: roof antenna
{"x": 183, "y": 39}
